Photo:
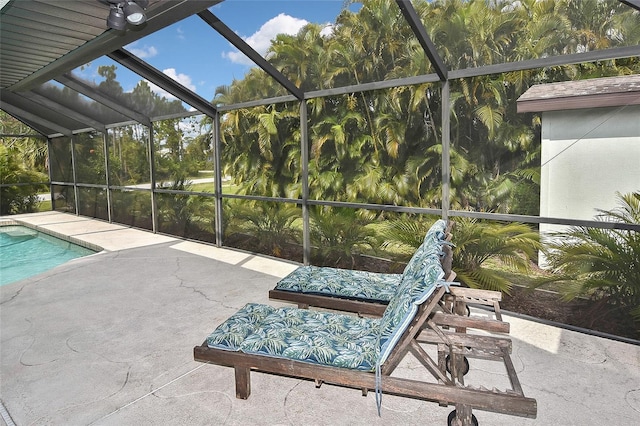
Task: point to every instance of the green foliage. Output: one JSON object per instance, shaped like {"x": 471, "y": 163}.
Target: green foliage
{"x": 128, "y": 155}
{"x": 30, "y": 151}
{"x": 270, "y": 226}
{"x": 475, "y": 242}
{"x": 184, "y": 214}
{"x": 405, "y": 235}
{"x": 261, "y": 150}
{"x": 90, "y": 164}
{"x": 131, "y": 208}
{"x": 15, "y": 199}
{"x": 525, "y": 199}
{"x": 182, "y": 148}
{"x": 177, "y": 208}
{"x": 141, "y": 98}
{"x": 338, "y": 234}
{"x": 384, "y": 146}
{"x": 603, "y": 264}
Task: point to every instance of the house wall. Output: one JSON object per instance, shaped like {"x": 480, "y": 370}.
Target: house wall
{"x": 587, "y": 156}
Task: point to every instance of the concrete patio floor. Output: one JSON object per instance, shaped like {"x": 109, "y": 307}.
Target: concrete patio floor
{"x": 107, "y": 340}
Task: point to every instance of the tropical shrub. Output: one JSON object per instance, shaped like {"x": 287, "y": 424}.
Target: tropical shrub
{"x": 176, "y": 208}
{"x": 512, "y": 244}
{"x": 338, "y": 235}
{"x": 187, "y": 214}
{"x": 405, "y": 235}
{"x": 132, "y": 207}
{"x": 265, "y": 227}
{"x": 475, "y": 242}
{"x": 15, "y": 199}
{"x": 602, "y": 264}
{"x": 384, "y": 146}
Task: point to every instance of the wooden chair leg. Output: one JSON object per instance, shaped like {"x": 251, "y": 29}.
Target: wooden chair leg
{"x": 462, "y": 416}
{"x": 243, "y": 382}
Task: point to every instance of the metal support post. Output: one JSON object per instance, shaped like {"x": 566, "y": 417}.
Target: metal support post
{"x": 217, "y": 178}
{"x": 304, "y": 150}
{"x": 446, "y": 146}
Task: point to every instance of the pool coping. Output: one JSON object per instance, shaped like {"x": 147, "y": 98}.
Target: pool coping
{"x": 85, "y": 244}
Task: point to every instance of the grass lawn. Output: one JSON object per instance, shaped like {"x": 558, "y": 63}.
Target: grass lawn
{"x": 208, "y": 187}
{"x": 44, "y": 206}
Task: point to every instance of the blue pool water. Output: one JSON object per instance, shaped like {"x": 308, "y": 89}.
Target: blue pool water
{"x": 25, "y": 252}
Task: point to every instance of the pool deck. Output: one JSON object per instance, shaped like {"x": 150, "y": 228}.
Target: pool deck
{"x": 108, "y": 340}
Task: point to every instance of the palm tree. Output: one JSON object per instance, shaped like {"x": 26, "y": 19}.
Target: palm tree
{"x": 302, "y": 58}
{"x": 406, "y": 234}
{"x": 266, "y": 227}
{"x": 31, "y": 152}
{"x": 383, "y": 146}
{"x": 603, "y": 264}
{"x": 339, "y": 234}
{"x": 475, "y": 242}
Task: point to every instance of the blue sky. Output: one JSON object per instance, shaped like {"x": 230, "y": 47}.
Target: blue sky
{"x": 194, "y": 54}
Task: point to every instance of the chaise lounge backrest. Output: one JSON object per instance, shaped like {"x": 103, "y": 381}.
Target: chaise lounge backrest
{"x": 421, "y": 277}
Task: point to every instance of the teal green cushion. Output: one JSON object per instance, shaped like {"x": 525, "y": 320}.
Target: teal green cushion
{"x": 431, "y": 245}
{"x": 232, "y": 333}
{"x": 362, "y": 285}
{"x": 309, "y": 336}
{"x": 437, "y": 231}
{"x": 413, "y": 291}
{"x": 296, "y": 280}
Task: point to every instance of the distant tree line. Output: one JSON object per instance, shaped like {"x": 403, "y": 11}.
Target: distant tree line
{"x": 384, "y": 146}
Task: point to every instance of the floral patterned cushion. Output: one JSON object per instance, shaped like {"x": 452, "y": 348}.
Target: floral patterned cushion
{"x": 415, "y": 289}
{"x": 431, "y": 245}
{"x": 362, "y": 285}
{"x": 346, "y": 283}
{"x": 310, "y": 336}
{"x": 231, "y": 333}
{"x": 437, "y": 231}
{"x": 296, "y": 280}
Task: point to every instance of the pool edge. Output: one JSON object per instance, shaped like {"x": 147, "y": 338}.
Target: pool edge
{"x": 94, "y": 247}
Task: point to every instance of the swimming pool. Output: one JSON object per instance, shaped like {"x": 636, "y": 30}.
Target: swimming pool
{"x": 25, "y": 252}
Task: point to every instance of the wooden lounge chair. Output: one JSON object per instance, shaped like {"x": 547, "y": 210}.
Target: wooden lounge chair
{"x": 362, "y": 353}
{"x": 368, "y": 293}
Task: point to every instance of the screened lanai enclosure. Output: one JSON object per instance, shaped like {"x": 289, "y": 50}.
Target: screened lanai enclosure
{"x": 338, "y": 138}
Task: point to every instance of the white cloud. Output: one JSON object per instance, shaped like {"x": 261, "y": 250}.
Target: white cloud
{"x": 142, "y": 52}
{"x": 327, "y": 31}
{"x": 261, "y": 39}
{"x": 183, "y": 79}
